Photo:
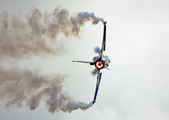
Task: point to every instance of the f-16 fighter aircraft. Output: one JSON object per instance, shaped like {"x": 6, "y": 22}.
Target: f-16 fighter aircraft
{"x": 100, "y": 62}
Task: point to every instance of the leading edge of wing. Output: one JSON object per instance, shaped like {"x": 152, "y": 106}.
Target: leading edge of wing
{"x": 103, "y": 48}
{"x": 97, "y": 85}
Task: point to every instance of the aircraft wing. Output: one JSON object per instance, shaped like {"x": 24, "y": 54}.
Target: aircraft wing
{"x": 97, "y": 85}
{"x": 103, "y": 48}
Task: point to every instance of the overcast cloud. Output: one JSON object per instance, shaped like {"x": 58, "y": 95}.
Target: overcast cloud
{"x": 137, "y": 85}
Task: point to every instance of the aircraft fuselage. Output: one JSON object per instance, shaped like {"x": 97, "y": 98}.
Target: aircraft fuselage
{"x": 100, "y": 63}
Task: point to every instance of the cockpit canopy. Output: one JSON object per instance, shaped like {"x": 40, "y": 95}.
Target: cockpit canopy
{"x": 105, "y": 58}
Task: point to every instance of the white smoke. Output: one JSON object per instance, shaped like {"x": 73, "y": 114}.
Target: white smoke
{"x": 82, "y": 106}
{"x": 20, "y": 40}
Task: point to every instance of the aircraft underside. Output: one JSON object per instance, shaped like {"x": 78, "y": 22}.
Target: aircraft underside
{"x": 100, "y": 62}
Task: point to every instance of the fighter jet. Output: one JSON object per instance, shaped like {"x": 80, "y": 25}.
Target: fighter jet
{"x": 100, "y": 62}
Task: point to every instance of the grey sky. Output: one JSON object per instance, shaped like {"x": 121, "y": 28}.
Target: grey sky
{"x": 137, "y": 85}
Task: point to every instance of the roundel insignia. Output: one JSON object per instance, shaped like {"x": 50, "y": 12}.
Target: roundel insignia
{"x": 99, "y": 65}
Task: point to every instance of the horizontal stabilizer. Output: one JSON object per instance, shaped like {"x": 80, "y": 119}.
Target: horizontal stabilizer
{"x": 107, "y": 68}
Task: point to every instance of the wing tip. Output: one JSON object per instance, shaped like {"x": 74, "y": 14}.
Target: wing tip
{"x": 105, "y": 22}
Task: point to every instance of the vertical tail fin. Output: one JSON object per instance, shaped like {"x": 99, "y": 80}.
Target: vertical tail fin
{"x": 81, "y": 61}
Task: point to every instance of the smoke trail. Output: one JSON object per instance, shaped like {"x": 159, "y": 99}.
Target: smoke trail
{"x": 18, "y": 85}
{"x": 38, "y": 34}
